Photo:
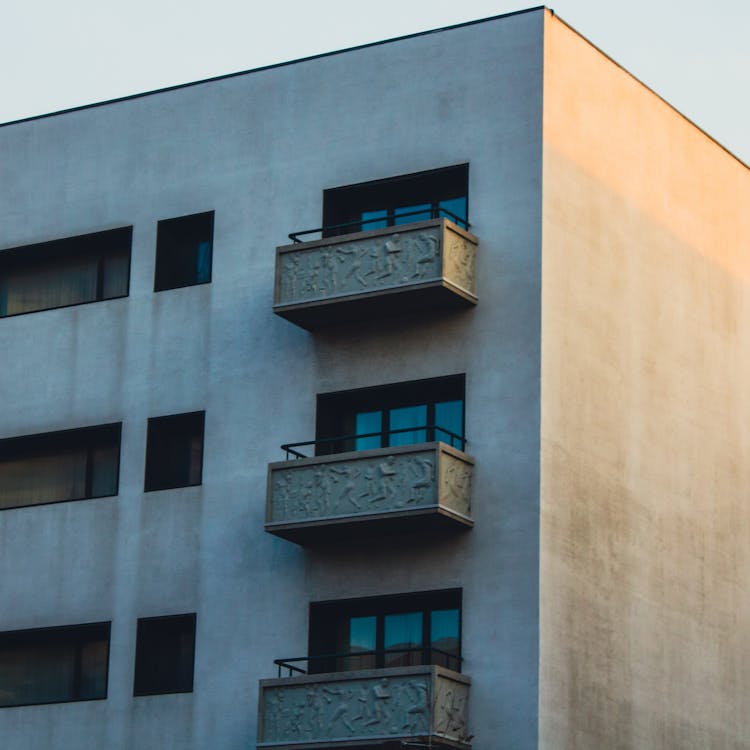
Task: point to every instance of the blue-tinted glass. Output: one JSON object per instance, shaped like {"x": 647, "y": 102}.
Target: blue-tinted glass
{"x": 365, "y": 423}
{"x": 407, "y": 417}
{"x": 415, "y": 213}
{"x": 458, "y": 207}
{"x": 403, "y": 631}
{"x": 362, "y": 633}
{"x": 203, "y": 262}
{"x": 444, "y": 635}
{"x": 368, "y": 219}
{"x": 450, "y": 416}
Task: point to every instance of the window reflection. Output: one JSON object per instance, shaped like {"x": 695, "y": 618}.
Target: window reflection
{"x": 407, "y": 629}
{"x": 404, "y": 418}
{"x": 450, "y": 416}
{"x": 374, "y": 219}
{"x": 407, "y": 214}
{"x": 367, "y": 423}
{"x": 444, "y": 636}
{"x": 362, "y": 637}
{"x": 389, "y": 202}
{"x": 458, "y": 207}
{"x": 426, "y": 410}
{"x": 403, "y": 632}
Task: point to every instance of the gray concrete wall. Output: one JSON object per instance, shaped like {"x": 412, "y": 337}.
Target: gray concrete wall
{"x": 259, "y": 149}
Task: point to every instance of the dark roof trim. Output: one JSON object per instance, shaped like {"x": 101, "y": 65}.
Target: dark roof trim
{"x": 268, "y": 67}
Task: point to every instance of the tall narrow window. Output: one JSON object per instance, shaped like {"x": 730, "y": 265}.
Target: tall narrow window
{"x": 53, "y": 665}
{"x": 184, "y": 249}
{"x": 174, "y": 451}
{"x": 398, "y": 200}
{"x": 58, "y": 466}
{"x": 71, "y": 271}
{"x": 398, "y": 414}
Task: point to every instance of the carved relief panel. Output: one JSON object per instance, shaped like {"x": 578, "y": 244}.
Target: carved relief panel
{"x": 359, "y": 485}
{"x": 368, "y": 264}
{"x": 455, "y": 483}
{"x": 458, "y": 261}
{"x": 348, "y": 708}
{"x": 451, "y": 709}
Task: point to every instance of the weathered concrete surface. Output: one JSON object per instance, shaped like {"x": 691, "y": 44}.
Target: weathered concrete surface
{"x": 397, "y": 703}
{"x": 259, "y": 149}
{"x": 365, "y": 483}
{"x": 645, "y": 514}
{"x": 377, "y": 260}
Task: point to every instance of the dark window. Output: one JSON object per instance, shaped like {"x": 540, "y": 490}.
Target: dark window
{"x": 399, "y": 414}
{"x": 164, "y": 655}
{"x": 71, "y": 271}
{"x": 183, "y": 251}
{"x": 174, "y": 451}
{"x": 54, "y": 665}
{"x": 398, "y": 200}
{"x": 58, "y": 466}
{"x": 386, "y": 631}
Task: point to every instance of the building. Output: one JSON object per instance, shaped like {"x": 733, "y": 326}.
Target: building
{"x": 541, "y": 541}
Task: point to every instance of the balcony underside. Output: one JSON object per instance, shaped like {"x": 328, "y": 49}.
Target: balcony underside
{"x": 433, "y": 522}
{"x": 400, "y": 301}
{"x": 421, "y": 741}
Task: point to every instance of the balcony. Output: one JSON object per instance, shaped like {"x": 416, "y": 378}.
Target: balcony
{"x": 424, "y": 265}
{"x": 404, "y": 488}
{"x": 427, "y": 705}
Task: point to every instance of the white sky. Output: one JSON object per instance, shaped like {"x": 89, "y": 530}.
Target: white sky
{"x": 56, "y": 54}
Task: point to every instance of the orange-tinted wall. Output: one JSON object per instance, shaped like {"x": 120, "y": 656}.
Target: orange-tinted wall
{"x": 645, "y": 425}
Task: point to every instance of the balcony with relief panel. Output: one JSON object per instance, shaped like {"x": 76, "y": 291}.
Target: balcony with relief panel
{"x": 422, "y": 265}
{"x": 425, "y": 486}
{"x": 426, "y": 705}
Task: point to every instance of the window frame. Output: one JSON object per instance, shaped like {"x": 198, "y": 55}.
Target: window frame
{"x": 150, "y": 459}
{"x": 192, "y": 617}
{"x": 162, "y": 228}
{"x": 324, "y": 616}
{"x": 26, "y": 257}
{"x": 11, "y": 447}
{"x": 345, "y": 205}
{"x": 334, "y": 408}
{"x": 26, "y": 636}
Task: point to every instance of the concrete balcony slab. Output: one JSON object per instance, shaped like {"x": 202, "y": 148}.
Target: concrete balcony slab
{"x": 422, "y": 486}
{"x": 419, "y": 266}
{"x": 425, "y": 704}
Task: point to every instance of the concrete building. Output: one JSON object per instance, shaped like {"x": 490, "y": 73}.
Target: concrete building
{"x": 530, "y": 298}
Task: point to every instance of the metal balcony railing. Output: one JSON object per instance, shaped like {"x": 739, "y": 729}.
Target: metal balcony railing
{"x": 435, "y": 213}
{"x": 347, "y": 661}
{"x": 432, "y": 432}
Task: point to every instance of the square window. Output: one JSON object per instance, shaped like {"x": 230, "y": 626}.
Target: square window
{"x": 184, "y": 247}
{"x": 164, "y": 655}
{"x": 174, "y": 451}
